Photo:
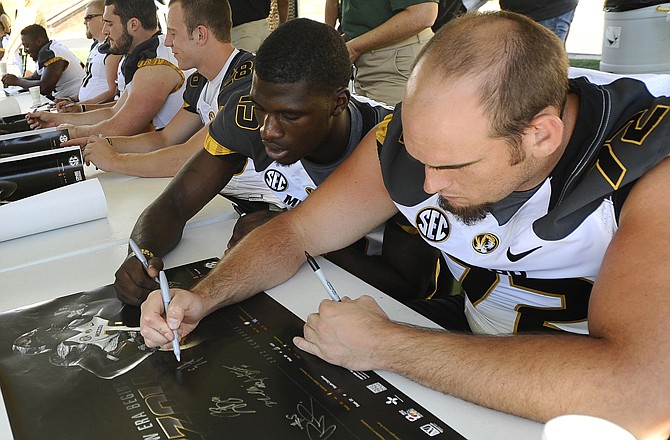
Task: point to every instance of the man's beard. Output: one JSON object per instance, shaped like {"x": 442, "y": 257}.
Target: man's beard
{"x": 122, "y": 45}
{"x": 469, "y": 215}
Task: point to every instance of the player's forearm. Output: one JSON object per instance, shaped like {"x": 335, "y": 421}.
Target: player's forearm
{"x": 117, "y": 125}
{"x": 162, "y": 163}
{"x": 27, "y": 83}
{"x": 536, "y": 377}
{"x": 275, "y": 247}
{"x": 139, "y": 143}
{"x": 160, "y": 227}
{"x": 102, "y": 98}
{"x": 81, "y": 120}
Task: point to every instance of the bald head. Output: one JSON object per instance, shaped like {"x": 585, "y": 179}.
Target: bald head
{"x": 95, "y": 7}
{"x": 519, "y": 67}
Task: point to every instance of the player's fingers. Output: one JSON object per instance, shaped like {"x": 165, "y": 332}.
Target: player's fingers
{"x": 307, "y": 346}
{"x": 153, "y": 337}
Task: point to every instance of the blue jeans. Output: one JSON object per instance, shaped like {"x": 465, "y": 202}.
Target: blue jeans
{"x": 559, "y": 25}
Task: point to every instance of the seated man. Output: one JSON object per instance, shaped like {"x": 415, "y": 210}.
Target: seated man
{"x": 221, "y": 71}
{"x": 59, "y": 72}
{"x": 298, "y": 124}
{"x": 99, "y": 84}
{"x": 151, "y": 84}
{"x": 547, "y": 197}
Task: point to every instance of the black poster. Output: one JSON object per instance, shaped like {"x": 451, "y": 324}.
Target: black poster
{"x": 31, "y": 141}
{"x": 30, "y": 174}
{"x": 76, "y": 368}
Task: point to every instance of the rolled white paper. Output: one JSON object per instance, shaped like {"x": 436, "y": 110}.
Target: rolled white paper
{"x": 65, "y": 206}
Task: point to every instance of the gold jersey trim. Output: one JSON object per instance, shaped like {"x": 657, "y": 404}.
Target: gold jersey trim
{"x": 163, "y": 62}
{"x": 380, "y": 134}
{"x": 53, "y": 60}
{"x": 216, "y": 149}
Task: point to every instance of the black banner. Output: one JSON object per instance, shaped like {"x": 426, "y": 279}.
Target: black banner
{"x": 76, "y": 368}
{"x": 30, "y": 174}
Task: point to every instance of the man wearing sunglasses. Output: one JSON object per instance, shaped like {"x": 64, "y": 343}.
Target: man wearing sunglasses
{"x": 150, "y": 83}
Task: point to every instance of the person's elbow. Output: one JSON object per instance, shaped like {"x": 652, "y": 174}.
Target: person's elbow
{"x": 47, "y": 89}
{"x": 423, "y": 15}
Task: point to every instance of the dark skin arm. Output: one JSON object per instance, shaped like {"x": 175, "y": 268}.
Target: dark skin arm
{"x": 47, "y": 81}
{"x": 160, "y": 227}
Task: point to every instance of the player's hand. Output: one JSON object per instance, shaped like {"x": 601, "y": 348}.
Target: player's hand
{"x": 10, "y": 80}
{"x": 72, "y": 130}
{"x": 67, "y": 106}
{"x": 184, "y": 313}
{"x": 99, "y": 152}
{"x": 80, "y": 141}
{"x": 42, "y": 119}
{"x": 132, "y": 283}
{"x": 248, "y": 223}
{"x": 349, "y": 333}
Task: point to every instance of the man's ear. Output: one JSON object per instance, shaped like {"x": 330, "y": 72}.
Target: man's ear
{"x": 342, "y": 97}
{"x": 133, "y": 25}
{"x": 201, "y": 35}
{"x": 545, "y": 132}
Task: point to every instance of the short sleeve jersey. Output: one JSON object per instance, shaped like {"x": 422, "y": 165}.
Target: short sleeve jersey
{"x": 531, "y": 263}
{"x": 95, "y": 79}
{"x": 206, "y": 98}
{"x": 234, "y": 135}
{"x": 153, "y": 52}
{"x": 70, "y": 81}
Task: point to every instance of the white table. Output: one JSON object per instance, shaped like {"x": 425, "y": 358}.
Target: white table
{"x": 126, "y": 199}
{"x": 301, "y": 294}
{"x": 15, "y": 102}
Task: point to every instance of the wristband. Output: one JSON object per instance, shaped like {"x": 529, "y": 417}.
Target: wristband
{"x": 83, "y": 107}
{"x": 109, "y": 141}
{"x": 146, "y": 252}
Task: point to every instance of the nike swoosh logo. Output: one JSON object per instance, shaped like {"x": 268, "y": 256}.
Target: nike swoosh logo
{"x": 516, "y": 257}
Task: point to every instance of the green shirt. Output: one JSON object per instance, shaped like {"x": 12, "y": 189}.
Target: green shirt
{"x": 361, "y": 16}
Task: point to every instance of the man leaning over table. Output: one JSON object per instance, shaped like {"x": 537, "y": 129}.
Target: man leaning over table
{"x": 99, "y": 85}
{"x": 198, "y": 33}
{"x": 297, "y": 123}
{"x": 150, "y": 83}
{"x": 547, "y": 197}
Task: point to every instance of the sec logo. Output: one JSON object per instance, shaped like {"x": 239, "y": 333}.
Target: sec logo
{"x": 275, "y": 180}
{"x": 432, "y": 224}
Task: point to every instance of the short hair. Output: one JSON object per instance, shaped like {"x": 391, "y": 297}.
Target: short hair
{"x": 303, "y": 49}
{"x": 521, "y": 66}
{"x": 143, "y": 10}
{"x": 36, "y": 32}
{"x": 213, "y": 14}
{"x": 96, "y": 6}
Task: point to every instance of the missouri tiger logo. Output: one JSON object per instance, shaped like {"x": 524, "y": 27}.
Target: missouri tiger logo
{"x": 432, "y": 224}
{"x": 275, "y": 180}
{"x": 485, "y": 243}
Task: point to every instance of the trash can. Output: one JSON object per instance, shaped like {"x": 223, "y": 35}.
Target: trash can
{"x": 636, "y": 37}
